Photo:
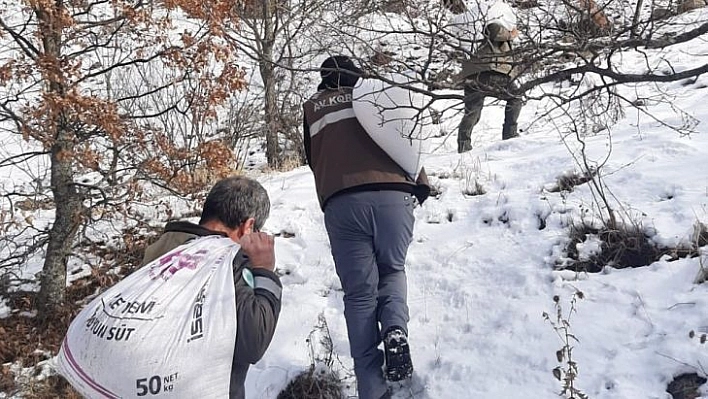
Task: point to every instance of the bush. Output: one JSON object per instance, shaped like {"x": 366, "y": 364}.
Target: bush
{"x": 568, "y": 181}
{"x": 320, "y": 381}
{"x": 685, "y": 386}
{"x": 624, "y": 246}
{"x": 313, "y": 384}
{"x": 620, "y": 248}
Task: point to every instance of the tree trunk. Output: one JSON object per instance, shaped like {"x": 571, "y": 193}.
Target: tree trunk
{"x": 635, "y": 19}
{"x": 66, "y": 198}
{"x": 66, "y": 223}
{"x": 267, "y": 69}
{"x": 271, "y": 119}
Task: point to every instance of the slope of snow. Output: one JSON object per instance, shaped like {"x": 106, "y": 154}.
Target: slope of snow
{"x": 481, "y": 268}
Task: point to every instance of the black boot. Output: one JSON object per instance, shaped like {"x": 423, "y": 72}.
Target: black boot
{"x": 509, "y": 131}
{"x": 463, "y": 146}
{"x": 398, "y": 355}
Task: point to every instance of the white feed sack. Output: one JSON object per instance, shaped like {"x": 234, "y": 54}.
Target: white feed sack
{"x": 168, "y": 329}
{"x": 469, "y": 26}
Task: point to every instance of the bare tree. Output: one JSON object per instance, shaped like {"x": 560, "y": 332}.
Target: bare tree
{"x": 90, "y": 85}
{"x": 560, "y": 42}
{"x": 275, "y": 34}
{"x": 586, "y": 62}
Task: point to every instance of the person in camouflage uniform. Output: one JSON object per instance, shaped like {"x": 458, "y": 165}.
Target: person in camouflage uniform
{"x": 490, "y": 73}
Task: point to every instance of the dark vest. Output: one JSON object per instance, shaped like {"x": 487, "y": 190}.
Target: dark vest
{"x": 343, "y": 156}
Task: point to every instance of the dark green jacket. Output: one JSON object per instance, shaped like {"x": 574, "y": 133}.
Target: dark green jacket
{"x": 257, "y": 309}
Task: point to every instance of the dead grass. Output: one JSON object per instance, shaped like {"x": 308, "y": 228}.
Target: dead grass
{"x": 568, "y": 181}
{"x": 25, "y": 337}
{"x": 620, "y": 248}
{"x": 625, "y": 247}
{"x": 7, "y": 379}
{"x": 28, "y": 340}
{"x": 50, "y": 388}
{"x": 685, "y": 386}
{"x": 313, "y": 384}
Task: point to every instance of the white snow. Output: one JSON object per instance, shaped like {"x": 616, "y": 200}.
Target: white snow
{"x": 481, "y": 268}
{"x": 478, "y": 285}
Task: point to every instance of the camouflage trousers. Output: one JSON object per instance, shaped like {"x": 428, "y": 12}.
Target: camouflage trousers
{"x": 477, "y": 88}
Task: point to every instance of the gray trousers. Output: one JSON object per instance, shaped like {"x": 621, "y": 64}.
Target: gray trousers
{"x": 369, "y": 233}
{"x": 479, "y": 86}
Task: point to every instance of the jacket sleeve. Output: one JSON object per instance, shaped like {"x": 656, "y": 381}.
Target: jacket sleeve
{"x": 306, "y": 140}
{"x": 497, "y": 33}
{"x": 257, "y": 310}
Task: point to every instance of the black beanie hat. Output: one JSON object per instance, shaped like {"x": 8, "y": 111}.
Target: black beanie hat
{"x": 339, "y": 71}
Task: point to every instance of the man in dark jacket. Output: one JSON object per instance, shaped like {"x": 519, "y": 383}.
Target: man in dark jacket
{"x": 490, "y": 73}
{"x": 237, "y": 207}
{"x": 368, "y": 204}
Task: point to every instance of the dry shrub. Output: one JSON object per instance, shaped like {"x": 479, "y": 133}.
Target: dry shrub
{"x": 567, "y": 181}
{"x": 255, "y": 9}
{"x": 700, "y": 235}
{"x": 382, "y": 57}
{"x": 33, "y": 204}
{"x": 186, "y": 170}
{"x": 689, "y": 5}
{"x": 114, "y": 263}
{"x": 525, "y": 4}
{"x": 595, "y": 13}
{"x": 685, "y": 386}
{"x": 394, "y": 6}
{"x": 474, "y": 188}
{"x": 27, "y": 341}
{"x": 626, "y": 246}
{"x": 455, "y": 6}
{"x": 313, "y": 384}
{"x": 699, "y": 239}
{"x": 50, "y": 388}
{"x": 287, "y": 162}
{"x": 587, "y": 19}
{"x": 7, "y": 378}
{"x": 319, "y": 381}
{"x": 620, "y": 248}
{"x": 215, "y": 162}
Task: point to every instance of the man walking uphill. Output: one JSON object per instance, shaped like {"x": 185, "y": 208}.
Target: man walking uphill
{"x": 368, "y": 207}
{"x": 490, "y": 72}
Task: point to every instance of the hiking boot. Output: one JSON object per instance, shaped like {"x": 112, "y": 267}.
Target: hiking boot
{"x": 398, "y": 355}
{"x": 463, "y": 146}
{"x": 509, "y": 131}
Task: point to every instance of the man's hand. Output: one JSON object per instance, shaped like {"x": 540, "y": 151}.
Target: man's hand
{"x": 260, "y": 249}
{"x": 514, "y": 33}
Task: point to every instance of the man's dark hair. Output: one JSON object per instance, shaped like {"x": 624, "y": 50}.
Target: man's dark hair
{"x": 235, "y": 199}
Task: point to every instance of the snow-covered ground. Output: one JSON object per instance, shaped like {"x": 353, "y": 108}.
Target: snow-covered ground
{"x": 481, "y": 268}
{"x": 478, "y": 286}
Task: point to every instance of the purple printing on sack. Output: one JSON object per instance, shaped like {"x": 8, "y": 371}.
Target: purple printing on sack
{"x": 177, "y": 261}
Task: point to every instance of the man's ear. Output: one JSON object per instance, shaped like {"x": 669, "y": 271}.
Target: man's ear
{"x": 242, "y": 229}
{"x": 247, "y": 227}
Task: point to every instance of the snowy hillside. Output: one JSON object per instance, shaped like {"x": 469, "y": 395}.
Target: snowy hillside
{"x": 483, "y": 268}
